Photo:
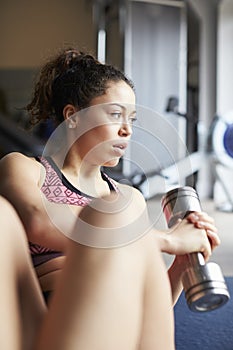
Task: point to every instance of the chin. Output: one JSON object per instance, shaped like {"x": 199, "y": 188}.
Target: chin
{"x": 112, "y": 163}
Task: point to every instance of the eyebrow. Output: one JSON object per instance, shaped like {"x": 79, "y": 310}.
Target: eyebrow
{"x": 120, "y": 105}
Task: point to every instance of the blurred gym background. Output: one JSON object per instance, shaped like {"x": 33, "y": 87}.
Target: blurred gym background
{"x": 179, "y": 55}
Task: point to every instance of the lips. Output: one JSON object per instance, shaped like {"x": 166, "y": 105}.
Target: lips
{"x": 119, "y": 148}
{"x": 122, "y": 145}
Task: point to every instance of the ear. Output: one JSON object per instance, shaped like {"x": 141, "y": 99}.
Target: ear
{"x": 68, "y": 113}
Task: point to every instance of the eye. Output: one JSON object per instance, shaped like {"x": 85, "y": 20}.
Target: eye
{"x": 132, "y": 119}
{"x": 116, "y": 115}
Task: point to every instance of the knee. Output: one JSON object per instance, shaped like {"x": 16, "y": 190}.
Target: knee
{"x": 114, "y": 209}
{"x": 114, "y": 220}
{"x": 104, "y": 212}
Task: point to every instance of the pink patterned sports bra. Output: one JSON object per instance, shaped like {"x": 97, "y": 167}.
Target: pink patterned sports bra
{"x": 58, "y": 189}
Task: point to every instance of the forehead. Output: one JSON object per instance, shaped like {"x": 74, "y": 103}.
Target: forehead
{"x": 116, "y": 92}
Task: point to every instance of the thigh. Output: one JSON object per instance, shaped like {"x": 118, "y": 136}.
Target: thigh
{"x": 104, "y": 297}
{"x": 21, "y": 303}
{"x": 98, "y": 304}
{"x": 158, "y": 319}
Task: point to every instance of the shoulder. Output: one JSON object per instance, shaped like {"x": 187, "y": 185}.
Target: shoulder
{"x": 18, "y": 164}
{"x": 15, "y": 157}
{"x": 124, "y": 187}
{"x": 133, "y": 194}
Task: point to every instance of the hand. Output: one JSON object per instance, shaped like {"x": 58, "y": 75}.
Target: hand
{"x": 196, "y": 233}
{"x": 203, "y": 221}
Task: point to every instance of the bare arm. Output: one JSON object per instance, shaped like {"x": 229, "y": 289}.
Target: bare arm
{"x": 19, "y": 183}
{"x": 196, "y": 233}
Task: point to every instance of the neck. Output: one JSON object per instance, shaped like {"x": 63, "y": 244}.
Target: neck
{"x": 84, "y": 176}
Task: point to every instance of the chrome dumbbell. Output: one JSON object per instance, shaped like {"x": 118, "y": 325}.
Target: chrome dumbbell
{"x": 204, "y": 285}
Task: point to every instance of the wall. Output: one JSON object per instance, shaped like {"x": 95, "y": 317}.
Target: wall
{"x": 30, "y": 30}
{"x": 225, "y": 58}
{"x": 153, "y": 60}
{"x": 223, "y": 190}
{"x": 207, "y": 13}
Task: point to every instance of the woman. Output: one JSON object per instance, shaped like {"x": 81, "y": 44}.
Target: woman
{"x": 93, "y": 305}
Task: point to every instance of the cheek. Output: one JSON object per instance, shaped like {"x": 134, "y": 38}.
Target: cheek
{"x": 105, "y": 133}
{"x": 95, "y": 140}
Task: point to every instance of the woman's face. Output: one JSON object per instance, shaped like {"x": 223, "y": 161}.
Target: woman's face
{"x": 108, "y": 125}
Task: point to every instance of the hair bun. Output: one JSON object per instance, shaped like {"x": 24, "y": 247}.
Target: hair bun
{"x": 70, "y": 56}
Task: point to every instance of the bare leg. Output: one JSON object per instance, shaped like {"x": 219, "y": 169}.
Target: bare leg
{"x": 21, "y": 302}
{"x": 116, "y": 298}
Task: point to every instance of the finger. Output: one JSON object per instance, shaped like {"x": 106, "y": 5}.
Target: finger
{"x": 206, "y": 226}
{"x": 205, "y": 217}
{"x": 212, "y": 233}
{"x": 206, "y": 251}
{"x": 200, "y": 216}
{"x": 214, "y": 239}
{"x": 206, "y": 254}
{"x": 193, "y": 217}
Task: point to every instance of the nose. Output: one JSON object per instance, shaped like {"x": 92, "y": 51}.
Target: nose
{"x": 125, "y": 130}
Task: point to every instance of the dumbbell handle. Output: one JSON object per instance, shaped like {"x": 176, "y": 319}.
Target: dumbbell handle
{"x": 177, "y": 204}
{"x": 196, "y": 259}
{"x": 204, "y": 285}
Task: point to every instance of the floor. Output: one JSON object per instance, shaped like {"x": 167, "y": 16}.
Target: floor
{"x": 223, "y": 255}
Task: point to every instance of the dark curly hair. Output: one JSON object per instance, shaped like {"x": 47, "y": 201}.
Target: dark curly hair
{"x": 71, "y": 77}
